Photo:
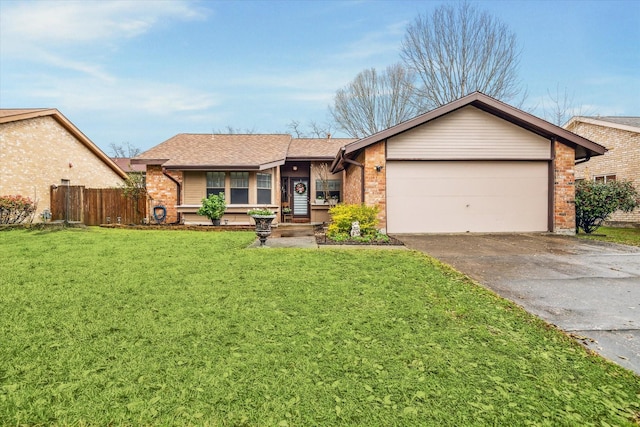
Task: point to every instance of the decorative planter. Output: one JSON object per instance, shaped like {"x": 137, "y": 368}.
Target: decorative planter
{"x": 263, "y": 226}
{"x": 215, "y": 221}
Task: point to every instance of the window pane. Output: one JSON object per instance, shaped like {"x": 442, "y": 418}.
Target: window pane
{"x": 239, "y": 179}
{"x": 264, "y": 180}
{"x": 332, "y": 186}
{"x": 239, "y": 196}
{"x": 215, "y": 179}
{"x": 264, "y": 196}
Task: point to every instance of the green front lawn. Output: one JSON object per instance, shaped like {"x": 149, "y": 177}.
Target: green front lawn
{"x": 626, "y": 236}
{"x": 123, "y": 327}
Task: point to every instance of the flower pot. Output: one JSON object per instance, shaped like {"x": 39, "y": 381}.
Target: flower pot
{"x": 215, "y": 221}
{"x": 263, "y": 226}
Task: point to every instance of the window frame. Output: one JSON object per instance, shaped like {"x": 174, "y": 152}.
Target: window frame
{"x": 335, "y": 188}
{"x": 218, "y": 189}
{"x": 239, "y": 194}
{"x": 264, "y": 193}
{"x": 604, "y": 178}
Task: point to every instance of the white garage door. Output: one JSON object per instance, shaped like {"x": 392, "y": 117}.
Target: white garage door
{"x": 458, "y": 196}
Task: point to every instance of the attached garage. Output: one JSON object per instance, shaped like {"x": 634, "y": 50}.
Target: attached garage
{"x": 475, "y": 165}
{"x": 460, "y": 196}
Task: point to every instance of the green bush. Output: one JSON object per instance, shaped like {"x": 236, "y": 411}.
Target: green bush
{"x": 342, "y": 216}
{"x": 15, "y": 209}
{"x": 596, "y": 201}
{"x": 213, "y": 207}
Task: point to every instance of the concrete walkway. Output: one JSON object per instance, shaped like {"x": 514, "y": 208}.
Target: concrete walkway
{"x": 589, "y": 289}
{"x": 309, "y": 242}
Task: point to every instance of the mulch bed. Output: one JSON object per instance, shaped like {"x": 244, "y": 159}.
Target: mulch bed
{"x": 182, "y": 227}
{"x": 322, "y": 239}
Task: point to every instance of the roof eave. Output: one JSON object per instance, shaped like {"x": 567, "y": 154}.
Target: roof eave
{"x": 205, "y": 167}
{"x": 492, "y": 106}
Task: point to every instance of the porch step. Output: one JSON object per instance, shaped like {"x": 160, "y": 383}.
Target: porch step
{"x": 294, "y": 230}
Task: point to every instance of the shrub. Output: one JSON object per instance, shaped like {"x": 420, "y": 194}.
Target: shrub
{"x": 213, "y": 207}
{"x": 596, "y": 201}
{"x": 15, "y": 209}
{"x": 342, "y": 216}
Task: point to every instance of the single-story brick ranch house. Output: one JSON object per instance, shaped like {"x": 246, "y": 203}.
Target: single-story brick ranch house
{"x": 474, "y": 165}
{"x": 41, "y": 147}
{"x": 621, "y": 137}
{"x": 252, "y": 170}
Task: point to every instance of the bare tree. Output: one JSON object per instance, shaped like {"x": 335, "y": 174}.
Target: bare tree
{"x": 296, "y": 130}
{"x": 315, "y": 129}
{"x": 560, "y": 107}
{"x": 459, "y": 49}
{"x": 230, "y": 130}
{"x": 374, "y": 101}
{"x": 125, "y": 150}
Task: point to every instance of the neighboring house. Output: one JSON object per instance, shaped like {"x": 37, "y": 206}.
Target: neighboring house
{"x": 621, "y": 137}
{"x": 253, "y": 170}
{"x": 40, "y": 148}
{"x": 125, "y": 164}
{"x": 473, "y": 165}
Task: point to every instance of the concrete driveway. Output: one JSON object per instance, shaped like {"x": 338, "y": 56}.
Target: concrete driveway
{"x": 588, "y": 289}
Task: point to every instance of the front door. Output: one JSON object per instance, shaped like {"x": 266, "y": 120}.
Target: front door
{"x": 300, "y": 197}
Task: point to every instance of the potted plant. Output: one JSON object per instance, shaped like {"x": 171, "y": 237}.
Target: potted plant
{"x": 213, "y": 207}
{"x": 263, "y": 218}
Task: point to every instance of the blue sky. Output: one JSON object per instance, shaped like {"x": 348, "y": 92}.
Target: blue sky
{"x": 140, "y": 72}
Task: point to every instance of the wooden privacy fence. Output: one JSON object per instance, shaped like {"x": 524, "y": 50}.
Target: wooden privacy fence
{"x": 95, "y": 206}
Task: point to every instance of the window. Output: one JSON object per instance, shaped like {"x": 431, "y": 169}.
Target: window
{"x": 332, "y": 186}
{"x": 604, "y": 178}
{"x": 215, "y": 183}
{"x": 264, "y": 188}
{"x": 239, "y": 187}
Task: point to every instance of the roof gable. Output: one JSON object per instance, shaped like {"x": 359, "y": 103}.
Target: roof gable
{"x": 583, "y": 147}
{"x": 17, "y": 114}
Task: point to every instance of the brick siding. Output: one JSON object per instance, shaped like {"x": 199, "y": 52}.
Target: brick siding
{"x": 352, "y": 182}
{"x": 39, "y": 152}
{"x": 375, "y": 187}
{"x": 622, "y": 159}
{"x": 163, "y": 191}
{"x": 564, "y": 212}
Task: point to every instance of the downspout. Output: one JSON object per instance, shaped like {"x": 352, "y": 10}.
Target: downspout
{"x": 178, "y": 192}
{"x": 361, "y": 166}
{"x": 551, "y": 199}
{"x": 586, "y": 159}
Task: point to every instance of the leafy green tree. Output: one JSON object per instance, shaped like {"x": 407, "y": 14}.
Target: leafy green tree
{"x": 596, "y": 201}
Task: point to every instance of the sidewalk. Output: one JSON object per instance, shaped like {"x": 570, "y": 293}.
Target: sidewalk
{"x": 309, "y": 242}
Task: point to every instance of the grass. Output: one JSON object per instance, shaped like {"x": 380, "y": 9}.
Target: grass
{"x": 123, "y": 327}
{"x": 625, "y": 236}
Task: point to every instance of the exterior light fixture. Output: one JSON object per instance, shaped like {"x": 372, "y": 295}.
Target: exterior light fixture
{"x": 378, "y": 168}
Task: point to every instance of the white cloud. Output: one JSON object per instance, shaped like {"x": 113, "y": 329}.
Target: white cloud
{"x": 76, "y": 22}
{"x": 46, "y": 32}
{"x": 123, "y": 96}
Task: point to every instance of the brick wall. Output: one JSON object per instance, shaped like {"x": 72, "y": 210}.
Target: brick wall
{"x": 622, "y": 159}
{"x": 375, "y": 187}
{"x": 352, "y": 182}
{"x": 37, "y": 153}
{"x": 163, "y": 191}
{"x": 564, "y": 212}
